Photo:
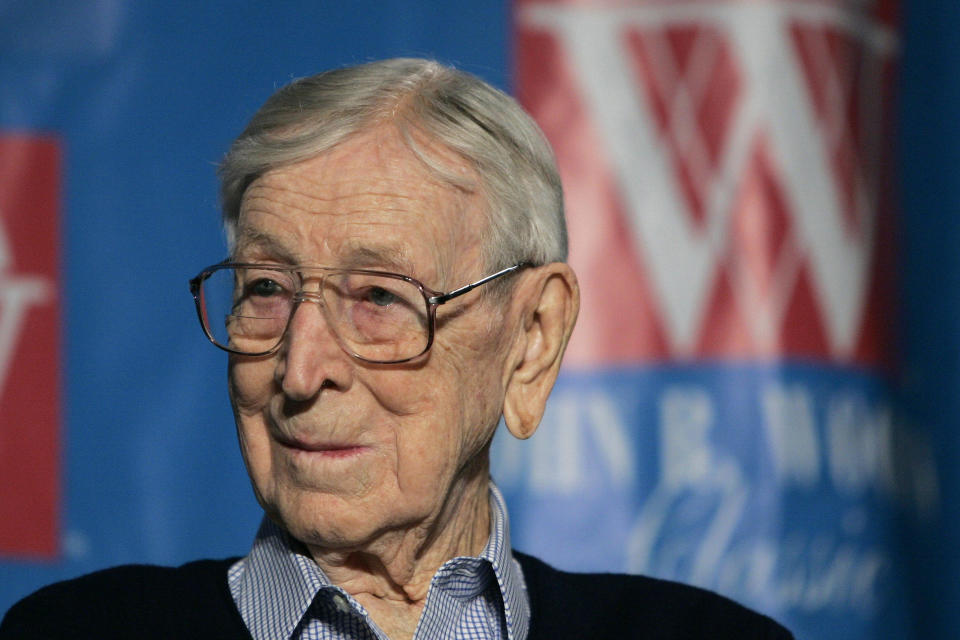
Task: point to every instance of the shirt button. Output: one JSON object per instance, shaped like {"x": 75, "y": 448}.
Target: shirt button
{"x": 341, "y": 603}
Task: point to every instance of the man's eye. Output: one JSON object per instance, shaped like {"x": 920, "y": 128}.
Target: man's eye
{"x": 380, "y": 297}
{"x": 264, "y": 288}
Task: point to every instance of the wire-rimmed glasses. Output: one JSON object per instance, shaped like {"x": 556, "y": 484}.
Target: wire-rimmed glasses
{"x": 376, "y": 316}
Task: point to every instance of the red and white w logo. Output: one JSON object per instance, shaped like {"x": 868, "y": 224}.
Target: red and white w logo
{"x": 29, "y": 345}
{"x": 725, "y": 174}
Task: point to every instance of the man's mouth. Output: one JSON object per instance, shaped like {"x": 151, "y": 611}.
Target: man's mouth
{"x": 326, "y": 449}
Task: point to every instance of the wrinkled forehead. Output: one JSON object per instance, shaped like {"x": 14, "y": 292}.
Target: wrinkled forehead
{"x": 374, "y": 201}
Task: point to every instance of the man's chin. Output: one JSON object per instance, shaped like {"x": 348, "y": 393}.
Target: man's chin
{"x": 324, "y": 521}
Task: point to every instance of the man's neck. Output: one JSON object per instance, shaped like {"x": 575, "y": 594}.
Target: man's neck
{"x": 391, "y": 576}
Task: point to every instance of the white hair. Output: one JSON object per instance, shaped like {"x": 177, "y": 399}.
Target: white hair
{"x": 459, "y": 111}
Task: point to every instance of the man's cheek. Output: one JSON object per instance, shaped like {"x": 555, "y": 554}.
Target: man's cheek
{"x": 250, "y": 385}
{"x": 406, "y": 393}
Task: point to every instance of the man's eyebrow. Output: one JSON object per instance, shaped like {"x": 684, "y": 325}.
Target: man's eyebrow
{"x": 383, "y": 257}
{"x": 249, "y": 238}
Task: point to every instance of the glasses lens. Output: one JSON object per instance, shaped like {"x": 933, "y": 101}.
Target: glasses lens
{"x": 246, "y": 309}
{"x": 378, "y": 318}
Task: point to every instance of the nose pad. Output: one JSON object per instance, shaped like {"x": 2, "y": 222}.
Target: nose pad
{"x": 307, "y": 296}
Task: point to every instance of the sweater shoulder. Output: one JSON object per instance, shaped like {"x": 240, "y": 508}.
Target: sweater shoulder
{"x": 133, "y": 582}
{"x": 149, "y": 600}
{"x": 602, "y": 605}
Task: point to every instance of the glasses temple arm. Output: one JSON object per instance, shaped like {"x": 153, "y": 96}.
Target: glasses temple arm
{"x": 470, "y": 287}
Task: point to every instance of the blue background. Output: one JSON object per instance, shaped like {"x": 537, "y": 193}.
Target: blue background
{"x": 146, "y": 97}
{"x": 929, "y": 144}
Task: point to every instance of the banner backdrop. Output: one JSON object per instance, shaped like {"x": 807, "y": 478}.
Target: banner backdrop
{"x": 736, "y": 409}
{"x": 726, "y": 410}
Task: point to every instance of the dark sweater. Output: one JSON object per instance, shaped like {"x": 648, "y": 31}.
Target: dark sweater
{"x": 194, "y": 601}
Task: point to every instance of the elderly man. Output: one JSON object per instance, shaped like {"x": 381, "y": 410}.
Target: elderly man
{"x": 396, "y": 284}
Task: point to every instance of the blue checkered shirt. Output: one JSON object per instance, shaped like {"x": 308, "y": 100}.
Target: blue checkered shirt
{"x": 282, "y": 593}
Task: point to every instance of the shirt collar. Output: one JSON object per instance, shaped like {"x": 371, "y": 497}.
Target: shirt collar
{"x": 275, "y": 584}
{"x": 507, "y": 570}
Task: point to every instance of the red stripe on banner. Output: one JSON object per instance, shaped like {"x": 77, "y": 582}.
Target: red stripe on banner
{"x": 30, "y": 305}
{"x": 601, "y": 246}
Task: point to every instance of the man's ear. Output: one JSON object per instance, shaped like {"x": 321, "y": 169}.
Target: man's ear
{"x": 549, "y": 300}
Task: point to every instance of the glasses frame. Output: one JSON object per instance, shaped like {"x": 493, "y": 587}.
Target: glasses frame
{"x": 431, "y": 298}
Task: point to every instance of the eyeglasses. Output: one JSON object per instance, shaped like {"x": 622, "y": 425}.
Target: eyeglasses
{"x": 376, "y": 316}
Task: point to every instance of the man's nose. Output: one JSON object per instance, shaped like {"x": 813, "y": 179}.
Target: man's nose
{"x": 311, "y": 357}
